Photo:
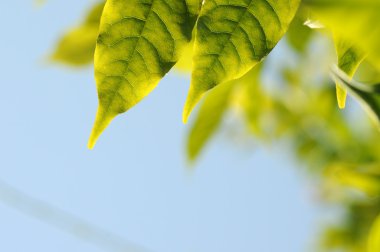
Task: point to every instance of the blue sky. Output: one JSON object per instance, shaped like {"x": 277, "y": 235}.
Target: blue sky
{"x": 135, "y": 183}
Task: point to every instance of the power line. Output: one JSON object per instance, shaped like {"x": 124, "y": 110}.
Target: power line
{"x": 64, "y": 221}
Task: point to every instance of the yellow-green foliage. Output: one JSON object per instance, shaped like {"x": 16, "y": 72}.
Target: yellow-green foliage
{"x": 209, "y": 118}
{"x": 231, "y": 38}
{"x": 353, "y": 20}
{"x": 139, "y": 42}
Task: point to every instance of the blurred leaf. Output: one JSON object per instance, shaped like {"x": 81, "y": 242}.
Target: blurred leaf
{"x": 39, "y": 3}
{"x": 245, "y": 90}
{"x": 349, "y": 59}
{"x": 357, "y": 21}
{"x": 299, "y": 34}
{"x": 231, "y": 38}
{"x": 365, "y": 178}
{"x": 77, "y": 47}
{"x": 139, "y": 42}
{"x": 208, "y": 119}
{"x": 254, "y": 102}
{"x": 351, "y": 235}
{"x": 335, "y": 237}
{"x": 367, "y": 95}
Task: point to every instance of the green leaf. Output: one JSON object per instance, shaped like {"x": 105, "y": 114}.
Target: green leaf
{"x": 349, "y": 59}
{"x": 139, "y": 42}
{"x": 231, "y": 38}
{"x": 209, "y": 118}
{"x": 77, "y": 47}
{"x": 368, "y": 95}
{"x": 253, "y": 101}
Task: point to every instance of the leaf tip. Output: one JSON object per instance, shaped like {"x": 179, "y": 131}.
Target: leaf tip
{"x": 341, "y": 94}
{"x": 93, "y": 139}
{"x": 185, "y": 115}
{"x": 103, "y": 119}
{"x": 192, "y": 99}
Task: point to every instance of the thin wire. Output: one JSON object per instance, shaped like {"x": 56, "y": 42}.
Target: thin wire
{"x": 64, "y": 221}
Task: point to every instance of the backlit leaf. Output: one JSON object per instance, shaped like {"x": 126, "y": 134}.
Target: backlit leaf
{"x": 139, "y": 42}
{"x": 231, "y": 38}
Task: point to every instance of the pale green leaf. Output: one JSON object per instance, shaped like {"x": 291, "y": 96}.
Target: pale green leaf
{"x": 349, "y": 59}
{"x": 77, "y": 47}
{"x": 139, "y": 42}
{"x": 244, "y": 93}
{"x": 357, "y": 21}
{"x": 374, "y": 237}
{"x": 209, "y": 118}
{"x": 232, "y": 37}
{"x": 365, "y": 178}
{"x": 299, "y": 35}
{"x": 253, "y": 101}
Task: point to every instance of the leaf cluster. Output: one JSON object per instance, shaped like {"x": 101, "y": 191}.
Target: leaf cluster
{"x": 223, "y": 44}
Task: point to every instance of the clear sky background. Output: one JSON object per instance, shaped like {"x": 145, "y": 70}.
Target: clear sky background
{"x": 136, "y": 182}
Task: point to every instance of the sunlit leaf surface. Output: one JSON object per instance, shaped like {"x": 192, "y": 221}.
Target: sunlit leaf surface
{"x": 231, "y": 38}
